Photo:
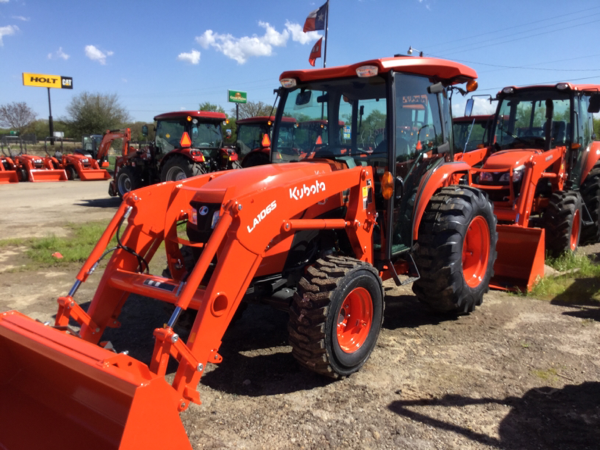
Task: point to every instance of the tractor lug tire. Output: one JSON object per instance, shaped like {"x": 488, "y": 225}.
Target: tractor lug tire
{"x": 127, "y": 180}
{"x": 454, "y": 277}
{"x": 590, "y": 191}
{"x": 562, "y": 222}
{"x": 178, "y": 168}
{"x": 323, "y": 340}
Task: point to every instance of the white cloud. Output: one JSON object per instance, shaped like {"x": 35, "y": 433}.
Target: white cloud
{"x": 193, "y": 57}
{"x": 3, "y": 1}
{"x": 95, "y": 54}
{"x": 240, "y": 49}
{"x": 300, "y": 36}
{"x": 59, "y": 54}
{"x": 24, "y": 19}
{"x": 8, "y": 30}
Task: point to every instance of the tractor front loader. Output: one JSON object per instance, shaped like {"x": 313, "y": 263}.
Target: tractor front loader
{"x": 543, "y": 176}
{"x": 76, "y": 165}
{"x": 316, "y": 237}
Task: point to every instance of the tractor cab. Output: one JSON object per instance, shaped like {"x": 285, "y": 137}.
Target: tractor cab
{"x": 200, "y": 131}
{"x": 254, "y": 136}
{"x": 397, "y": 122}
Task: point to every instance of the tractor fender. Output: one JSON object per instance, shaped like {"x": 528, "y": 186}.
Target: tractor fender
{"x": 434, "y": 180}
{"x": 592, "y": 158}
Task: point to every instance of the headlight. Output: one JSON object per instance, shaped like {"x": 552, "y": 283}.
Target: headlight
{"x": 517, "y": 175}
{"x": 215, "y": 219}
{"x": 486, "y": 176}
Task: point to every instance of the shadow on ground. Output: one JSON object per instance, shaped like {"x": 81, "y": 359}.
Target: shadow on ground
{"x": 109, "y": 202}
{"x": 405, "y": 311}
{"x": 543, "y": 418}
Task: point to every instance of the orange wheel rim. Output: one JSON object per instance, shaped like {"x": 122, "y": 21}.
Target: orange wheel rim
{"x": 575, "y": 231}
{"x": 476, "y": 251}
{"x": 354, "y": 320}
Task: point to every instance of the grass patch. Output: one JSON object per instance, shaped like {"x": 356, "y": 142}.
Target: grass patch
{"x": 74, "y": 248}
{"x": 581, "y": 283}
{"x": 547, "y": 375}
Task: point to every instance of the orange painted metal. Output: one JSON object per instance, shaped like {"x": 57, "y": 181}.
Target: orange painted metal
{"x": 39, "y": 169}
{"x": 354, "y": 320}
{"x": 79, "y": 395}
{"x": 8, "y": 176}
{"x": 520, "y": 261}
{"x": 476, "y": 251}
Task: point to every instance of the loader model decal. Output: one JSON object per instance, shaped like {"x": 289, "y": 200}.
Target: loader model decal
{"x": 298, "y": 193}
{"x": 261, "y": 215}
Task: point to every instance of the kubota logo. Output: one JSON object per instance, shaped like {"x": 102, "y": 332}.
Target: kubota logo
{"x": 261, "y": 215}
{"x": 297, "y": 193}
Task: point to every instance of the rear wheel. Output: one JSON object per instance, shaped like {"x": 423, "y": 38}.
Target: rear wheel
{"x": 590, "y": 191}
{"x": 562, "y": 222}
{"x": 179, "y": 168}
{"x": 255, "y": 159}
{"x": 127, "y": 181}
{"x": 456, "y": 250}
{"x": 336, "y": 316}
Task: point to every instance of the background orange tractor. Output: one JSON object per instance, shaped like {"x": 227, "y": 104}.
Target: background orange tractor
{"x": 30, "y": 167}
{"x": 316, "y": 237}
{"x": 76, "y": 165}
{"x": 543, "y": 176}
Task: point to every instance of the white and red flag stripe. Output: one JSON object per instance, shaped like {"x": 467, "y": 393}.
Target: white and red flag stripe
{"x": 316, "y": 19}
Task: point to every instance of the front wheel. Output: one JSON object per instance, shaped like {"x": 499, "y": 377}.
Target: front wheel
{"x": 456, "y": 250}
{"x": 562, "y": 222}
{"x": 590, "y": 191}
{"x": 336, "y": 316}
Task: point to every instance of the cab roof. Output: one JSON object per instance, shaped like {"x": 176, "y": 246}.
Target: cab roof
{"x": 571, "y": 86}
{"x": 262, "y": 119}
{"x": 448, "y": 72}
{"x": 197, "y": 114}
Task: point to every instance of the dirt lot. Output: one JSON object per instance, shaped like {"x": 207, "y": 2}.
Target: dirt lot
{"x": 518, "y": 373}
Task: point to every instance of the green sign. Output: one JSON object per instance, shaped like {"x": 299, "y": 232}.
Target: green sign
{"x": 13, "y": 132}
{"x": 237, "y": 97}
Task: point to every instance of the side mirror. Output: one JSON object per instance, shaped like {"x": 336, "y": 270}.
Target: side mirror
{"x": 594, "y": 104}
{"x": 436, "y": 88}
{"x": 144, "y": 130}
{"x": 303, "y": 98}
{"x": 469, "y": 107}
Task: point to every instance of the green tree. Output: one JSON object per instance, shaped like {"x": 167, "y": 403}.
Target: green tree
{"x": 94, "y": 113}
{"x": 208, "y": 106}
{"x": 16, "y": 116}
{"x": 254, "y": 109}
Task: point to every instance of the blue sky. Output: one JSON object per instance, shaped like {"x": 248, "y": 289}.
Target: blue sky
{"x": 161, "y": 56}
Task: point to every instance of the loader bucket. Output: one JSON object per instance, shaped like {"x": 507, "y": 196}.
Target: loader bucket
{"x": 58, "y": 391}
{"x": 41, "y": 176}
{"x": 94, "y": 174}
{"x": 8, "y": 176}
{"x": 521, "y": 257}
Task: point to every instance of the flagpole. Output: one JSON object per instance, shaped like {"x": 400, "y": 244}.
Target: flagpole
{"x": 326, "y": 29}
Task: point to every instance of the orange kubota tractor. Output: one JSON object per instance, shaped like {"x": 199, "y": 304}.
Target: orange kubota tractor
{"x": 252, "y": 146}
{"x": 316, "y": 237}
{"x": 187, "y": 143}
{"x": 8, "y": 170}
{"x": 76, "y": 165}
{"x": 543, "y": 175}
{"x": 31, "y": 167}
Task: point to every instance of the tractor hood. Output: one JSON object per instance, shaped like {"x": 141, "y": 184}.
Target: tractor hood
{"x": 509, "y": 158}
{"x": 238, "y": 183}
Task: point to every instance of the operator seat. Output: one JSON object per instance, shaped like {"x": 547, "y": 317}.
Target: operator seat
{"x": 559, "y": 132}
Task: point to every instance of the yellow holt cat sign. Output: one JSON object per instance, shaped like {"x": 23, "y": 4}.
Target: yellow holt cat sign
{"x": 47, "y": 81}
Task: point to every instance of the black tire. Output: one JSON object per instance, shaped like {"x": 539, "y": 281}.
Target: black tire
{"x": 316, "y": 310}
{"x": 562, "y": 222}
{"x": 127, "y": 181}
{"x": 23, "y": 174}
{"x": 447, "y": 284}
{"x": 255, "y": 159}
{"x": 71, "y": 173}
{"x": 590, "y": 191}
{"x": 179, "y": 168}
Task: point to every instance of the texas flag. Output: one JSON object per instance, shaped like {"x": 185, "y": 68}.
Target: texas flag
{"x": 316, "y": 19}
{"x": 315, "y": 52}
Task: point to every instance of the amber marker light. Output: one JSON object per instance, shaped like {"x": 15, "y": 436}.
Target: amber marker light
{"x": 387, "y": 185}
{"x": 472, "y": 85}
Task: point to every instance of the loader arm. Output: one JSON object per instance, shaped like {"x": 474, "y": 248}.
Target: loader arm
{"x": 110, "y": 136}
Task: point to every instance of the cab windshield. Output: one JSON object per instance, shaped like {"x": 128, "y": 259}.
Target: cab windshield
{"x": 205, "y": 135}
{"x": 539, "y": 119}
{"x": 469, "y": 135}
{"x": 347, "y": 119}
